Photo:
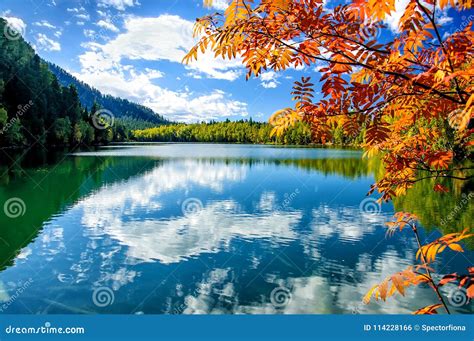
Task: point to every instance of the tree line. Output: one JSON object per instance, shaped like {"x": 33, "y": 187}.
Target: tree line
{"x": 243, "y": 131}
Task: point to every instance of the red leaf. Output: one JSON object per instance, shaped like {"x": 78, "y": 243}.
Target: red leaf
{"x": 440, "y": 188}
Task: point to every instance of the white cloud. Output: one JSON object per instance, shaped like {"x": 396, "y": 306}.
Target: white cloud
{"x": 46, "y": 44}
{"x": 166, "y": 37}
{"x": 44, "y": 23}
{"x": 185, "y": 106}
{"x": 268, "y": 76}
{"x": 220, "y": 5}
{"x": 118, "y": 4}
{"x": 393, "y": 20}
{"x": 442, "y": 17}
{"x": 270, "y": 85}
{"x": 152, "y": 74}
{"x": 83, "y": 16}
{"x": 207, "y": 231}
{"x": 269, "y": 79}
{"x": 107, "y": 25}
{"x": 16, "y": 23}
{"x": 89, "y": 33}
{"x": 318, "y": 65}
{"x": 80, "y": 13}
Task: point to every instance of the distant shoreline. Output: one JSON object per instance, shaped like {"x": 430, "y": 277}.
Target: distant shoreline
{"x": 313, "y": 145}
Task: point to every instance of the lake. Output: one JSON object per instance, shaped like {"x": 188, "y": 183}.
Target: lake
{"x": 210, "y": 229}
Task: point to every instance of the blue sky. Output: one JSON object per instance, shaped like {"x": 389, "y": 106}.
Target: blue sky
{"x": 133, "y": 49}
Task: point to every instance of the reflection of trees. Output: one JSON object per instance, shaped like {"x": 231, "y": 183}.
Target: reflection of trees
{"x": 348, "y": 167}
{"x": 47, "y": 184}
{"x": 336, "y": 240}
{"x": 449, "y": 212}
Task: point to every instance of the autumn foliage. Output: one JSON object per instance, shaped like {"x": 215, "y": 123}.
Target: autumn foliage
{"x": 406, "y": 93}
{"x": 410, "y": 93}
{"x": 422, "y": 273}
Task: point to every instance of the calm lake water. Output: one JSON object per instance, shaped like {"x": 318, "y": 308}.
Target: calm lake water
{"x": 195, "y": 228}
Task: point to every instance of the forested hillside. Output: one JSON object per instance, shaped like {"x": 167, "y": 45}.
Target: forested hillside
{"x": 88, "y": 96}
{"x": 36, "y": 110}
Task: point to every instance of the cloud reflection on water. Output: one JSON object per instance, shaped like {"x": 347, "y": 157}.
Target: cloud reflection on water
{"x": 248, "y": 237}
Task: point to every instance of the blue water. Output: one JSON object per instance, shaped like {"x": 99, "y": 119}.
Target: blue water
{"x": 215, "y": 229}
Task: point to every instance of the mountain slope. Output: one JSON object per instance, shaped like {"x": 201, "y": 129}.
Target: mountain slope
{"x": 119, "y": 107}
{"x": 35, "y": 110}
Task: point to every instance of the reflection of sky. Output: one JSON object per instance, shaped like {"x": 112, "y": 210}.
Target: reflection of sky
{"x": 217, "y": 151}
{"x": 113, "y": 211}
{"x": 309, "y": 294}
{"x": 253, "y": 233}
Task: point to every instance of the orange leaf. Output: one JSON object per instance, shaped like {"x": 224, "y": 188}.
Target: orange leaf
{"x": 369, "y": 294}
{"x": 397, "y": 281}
{"x": 456, "y": 247}
{"x": 470, "y": 291}
{"x": 429, "y": 310}
{"x": 447, "y": 279}
{"x": 383, "y": 290}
